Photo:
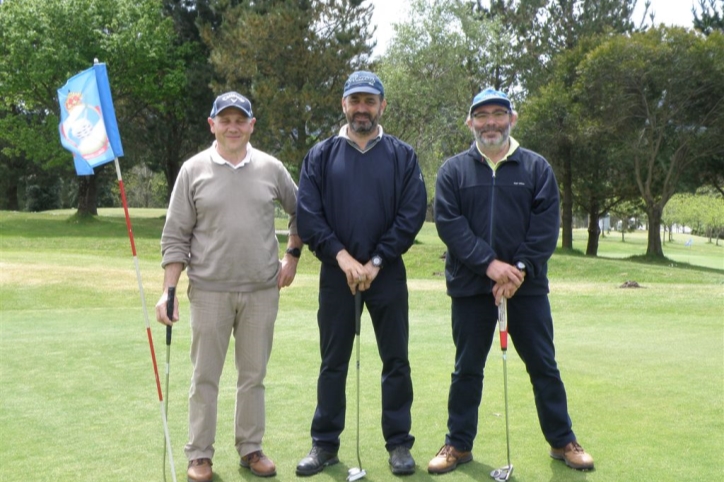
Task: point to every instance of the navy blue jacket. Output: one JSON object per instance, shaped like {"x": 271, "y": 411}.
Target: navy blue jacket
{"x": 371, "y": 203}
{"x": 510, "y": 214}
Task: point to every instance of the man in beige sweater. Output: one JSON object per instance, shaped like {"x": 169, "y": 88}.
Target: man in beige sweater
{"x": 220, "y": 228}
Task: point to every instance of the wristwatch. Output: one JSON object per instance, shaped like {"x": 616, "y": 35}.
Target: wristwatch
{"x": 520, "y": 265}
{"x": 296, "y": 252}
{"x": 377, "y": 261}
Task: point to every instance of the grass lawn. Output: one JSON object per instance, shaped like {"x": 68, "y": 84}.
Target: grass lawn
{"x": 644, "y": 368}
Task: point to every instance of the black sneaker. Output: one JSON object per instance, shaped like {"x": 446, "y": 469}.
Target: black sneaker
{"x": 401, "y": 461}
{"x": 316, "y": 461}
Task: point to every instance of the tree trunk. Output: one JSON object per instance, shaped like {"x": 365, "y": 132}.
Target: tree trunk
{"x": 172, "y": 168}
{"x": 567, "y": 205}
{"x": 87, "y": 196}
{"x": 654, "y": 248}
{"x": 11, "y": 197}
{"x": 594, "y": 232}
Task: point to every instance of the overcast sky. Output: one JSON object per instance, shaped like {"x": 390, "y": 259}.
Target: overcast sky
{"x": 387, "y": 12}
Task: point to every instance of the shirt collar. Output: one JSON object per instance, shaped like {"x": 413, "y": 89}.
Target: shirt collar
{"x": 370, "y": 144}
{"x": 512, "y": 146}
{"x": 216, "y": 157}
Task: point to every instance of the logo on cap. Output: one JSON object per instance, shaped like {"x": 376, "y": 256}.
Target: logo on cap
{"x": 231, "y": 99}
{"x": 362, "y": 81}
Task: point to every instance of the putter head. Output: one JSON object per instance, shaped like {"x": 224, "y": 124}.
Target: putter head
{"x": 355, "y": 474}
{"x": 502, "y": 474}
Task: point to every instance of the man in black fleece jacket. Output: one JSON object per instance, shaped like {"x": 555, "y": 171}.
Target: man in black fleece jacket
{"x": 497, "y": 210}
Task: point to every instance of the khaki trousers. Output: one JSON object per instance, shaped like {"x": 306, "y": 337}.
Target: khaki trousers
{"x": 214, "y": 317}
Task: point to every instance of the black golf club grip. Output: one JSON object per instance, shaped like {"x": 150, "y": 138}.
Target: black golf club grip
{"x": 169, "y": 311}
{"x": 357, "y": 312}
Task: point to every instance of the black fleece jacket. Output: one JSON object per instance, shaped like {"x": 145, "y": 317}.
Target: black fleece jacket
{"x": 510, "y": 214}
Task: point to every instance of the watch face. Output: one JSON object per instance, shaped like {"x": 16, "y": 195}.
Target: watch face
{"x": 376, "y": 261}
{"x": 520, "y": 265}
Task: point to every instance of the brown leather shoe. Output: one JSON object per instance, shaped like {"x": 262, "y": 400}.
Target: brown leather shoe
{"x": 447, "y": 459}
{"x": 199, "y": 470}
{"x": 574, "y": 456}
{"x": 259, "y": 464}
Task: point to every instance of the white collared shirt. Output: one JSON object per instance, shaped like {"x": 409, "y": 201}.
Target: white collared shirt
{"x": 216, "y": 157}
{"x": 370, "y": 144}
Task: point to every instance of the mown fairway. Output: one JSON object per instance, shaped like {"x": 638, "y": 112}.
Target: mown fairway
{"x": 644, "y": 368}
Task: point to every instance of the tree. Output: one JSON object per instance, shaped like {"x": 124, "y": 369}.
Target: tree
{"x": 541, "y": 30}
{"x": 591, "y": 170}
{"x": 44, "y": 42}
{"x": 625, "y": 212}
{"x": 292, "y": 59}
{"x": 178, "y": 128}
{"x": 711, "y": 18}
{"x": 432, "y": 70}
{"x": 703, "y": 212}
{"x": 662, "y": 91}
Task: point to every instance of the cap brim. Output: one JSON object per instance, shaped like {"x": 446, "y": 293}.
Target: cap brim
{"x": 361, "y": 90}
{"x": 500, "y": 102}
{"x": 243, "y": 111}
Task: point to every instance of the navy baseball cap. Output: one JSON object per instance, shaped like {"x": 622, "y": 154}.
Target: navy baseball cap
{"x": 231, "y": 99}
{"x": 490, "y": 96}
{"x": 363, "y": 81}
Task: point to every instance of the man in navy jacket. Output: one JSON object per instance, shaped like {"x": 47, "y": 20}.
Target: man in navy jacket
{"x": 361, "y": 202}
{"x": 497, "y": 210}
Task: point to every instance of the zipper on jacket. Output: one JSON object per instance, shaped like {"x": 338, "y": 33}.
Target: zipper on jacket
{"x": 492, "y": 220}
{"x": 492, "y": 209}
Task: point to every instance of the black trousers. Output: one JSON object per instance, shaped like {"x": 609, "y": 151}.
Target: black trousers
{"x": 530, "y": 327}
{"x": 387, "y": 303}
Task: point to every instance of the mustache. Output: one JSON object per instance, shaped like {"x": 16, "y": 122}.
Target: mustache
{"x": 485, "y": 130}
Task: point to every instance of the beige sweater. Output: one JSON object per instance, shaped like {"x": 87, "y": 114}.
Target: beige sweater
{"x": 220, "y": 222}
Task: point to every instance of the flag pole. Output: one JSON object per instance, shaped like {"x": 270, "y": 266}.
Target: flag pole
{"x": 145, "y": 314}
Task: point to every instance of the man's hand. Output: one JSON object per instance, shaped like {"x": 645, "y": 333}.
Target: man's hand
{"x": 171, "y": 275}
{"x": 505, "y": 290}
{"x": 507, "y": 277}
{"x": 371, "y": 274}
{"x": 287, "y": 271}
{"x": 501, "y": 272}
{"x": 161, "y": 315}
{"x": 354, "y": 271}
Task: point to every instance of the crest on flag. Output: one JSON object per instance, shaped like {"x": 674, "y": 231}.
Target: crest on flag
{"x": 88, "y": 125}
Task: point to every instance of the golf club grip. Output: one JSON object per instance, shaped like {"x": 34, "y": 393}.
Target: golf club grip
{"x": 357, "y": 312}
{"x": 169, "y": 311}
{"x": 503, "y": 324}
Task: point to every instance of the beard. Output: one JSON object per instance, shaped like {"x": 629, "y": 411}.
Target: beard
{"x": 501, "y": 141}
{"x": 362, "y": 124}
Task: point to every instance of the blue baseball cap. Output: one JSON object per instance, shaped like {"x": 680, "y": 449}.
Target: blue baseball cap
{"x": 363, "y": 81}
{"x": 490, "y": 96}
{"x": 231, "y": 99}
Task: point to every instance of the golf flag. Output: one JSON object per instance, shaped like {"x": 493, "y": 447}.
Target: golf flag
{"x": 88, "y": 126}
{"x": 689, "y": 243}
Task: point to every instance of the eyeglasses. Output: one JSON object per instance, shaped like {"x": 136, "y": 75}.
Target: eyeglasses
{"x": 498, "y": 115}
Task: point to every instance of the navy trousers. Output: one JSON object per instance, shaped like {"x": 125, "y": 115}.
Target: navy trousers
{"x": 387, "y": 303}
{"x": 530, "y": 326}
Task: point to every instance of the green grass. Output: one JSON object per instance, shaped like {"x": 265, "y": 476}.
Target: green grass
{"x": 644, "y": 368}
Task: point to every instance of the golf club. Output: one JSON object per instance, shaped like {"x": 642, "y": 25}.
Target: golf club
{"x": 169, "y": 312}
{"x": 503, "y": 474}
{"x": 357, "y": 473}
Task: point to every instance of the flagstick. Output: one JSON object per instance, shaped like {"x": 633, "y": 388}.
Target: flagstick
{"x": 145, "y": 314}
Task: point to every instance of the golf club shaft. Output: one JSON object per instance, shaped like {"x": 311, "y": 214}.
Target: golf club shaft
{"x": 503, "y": 328}
{"x": 505, "y": 389}
{"x": 358, "y": 323}
{"x": 169, "y": 328}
